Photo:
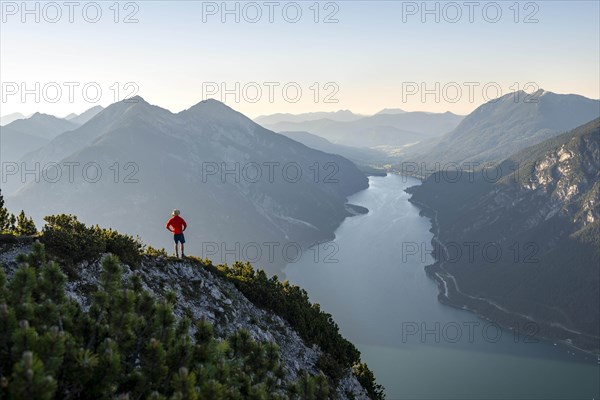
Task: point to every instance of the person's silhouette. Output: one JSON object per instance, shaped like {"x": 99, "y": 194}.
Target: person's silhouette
{"x": 177, "y": 225}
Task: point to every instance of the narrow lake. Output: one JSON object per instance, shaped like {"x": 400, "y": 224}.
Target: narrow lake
{"x": 375, "y": 287}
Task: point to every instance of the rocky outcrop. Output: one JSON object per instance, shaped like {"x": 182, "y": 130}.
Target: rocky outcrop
{"x": 202, "y": 294}
{"x": 542, "y": 217}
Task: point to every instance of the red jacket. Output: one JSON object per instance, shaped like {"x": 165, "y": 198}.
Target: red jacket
{"x": 176, "y": 224}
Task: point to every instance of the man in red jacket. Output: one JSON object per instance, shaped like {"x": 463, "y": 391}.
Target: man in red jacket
{"x": 177, "y": 225}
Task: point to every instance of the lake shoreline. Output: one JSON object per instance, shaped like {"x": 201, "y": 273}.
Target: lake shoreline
{"x": 448, "y": 294}
{"x": 377, "y": 295}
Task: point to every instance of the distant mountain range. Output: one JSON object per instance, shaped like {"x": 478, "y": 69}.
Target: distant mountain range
{"x": 393, "y": 128}
{"x": 43, "y": 126}
{"x": 24, "y": 135}
{"x": 341, "y": 116}
{"x": 360, "y": 155}
{"x": 391, "y": 111}
{"x": 79, "y": 119}
{"x": 7, "y": 119}
{"x": 534, "y": 222}
{"x": 84, "y": 116}
{"x": 153, "y": 161}
{"x": 506, "y": 125}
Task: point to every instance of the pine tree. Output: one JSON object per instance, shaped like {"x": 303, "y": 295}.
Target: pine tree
{"x": 127, "y": 344}
{"x": 184, "y": 383}
{"x": 306, "y": 387}
{"x": 25, "y": 226}
{"x": 51, "y": 348}
{"x": 8, "y": 324}
{"x": 322, "y": 387}
{"x": 153, "y": 362}
{"x": 4, "y": 215}
{"x": 12, "y": 223}
{"x": 29, "y": 380}
{"x": 109, "y": 367}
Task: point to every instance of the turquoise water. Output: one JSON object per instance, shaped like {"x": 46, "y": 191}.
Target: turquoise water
{"x": 374, "y": 285}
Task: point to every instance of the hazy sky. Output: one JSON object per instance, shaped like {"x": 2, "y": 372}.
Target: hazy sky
{"x": 377, "y": 55}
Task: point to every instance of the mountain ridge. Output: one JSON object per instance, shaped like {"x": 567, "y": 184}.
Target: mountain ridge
{"x": 546, "y": 201}
{"x": 84, "y": 116}
{"x": 297, "y": 194}
{"x": 7, "y": 119}
{"x": 503, "y": 126}
{"x": 25, "y": 135}
{"x": 340, "y": 115}
{"x": 377, "y": 130}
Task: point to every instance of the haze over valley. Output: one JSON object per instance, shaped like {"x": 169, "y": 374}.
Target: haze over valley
{"x": 300, "y": 200}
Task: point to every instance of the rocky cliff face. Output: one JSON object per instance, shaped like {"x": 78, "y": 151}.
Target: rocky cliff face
{"x": 568, "y": 177}
{"x": 202, "y": 294}
{"x": 562, "y": 182}
{"x": 541, "y": 219}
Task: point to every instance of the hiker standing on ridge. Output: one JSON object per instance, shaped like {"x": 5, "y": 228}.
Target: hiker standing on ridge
{"x": 177, "y": 225}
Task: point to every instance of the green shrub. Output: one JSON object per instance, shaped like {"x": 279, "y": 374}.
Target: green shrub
{"x": 25, "y": 226}
{"x": 19, "y": 225}
{"x": 367, "y": 379}
{"x": 331, "y": 368}
{"x": 72, "y": 241}
{"x": 7, "y": 220}
{"x": 126, "y": 344}
{"x": 126, "y": 247}
{"x": 152, "y": 252}
{"x": 312, "y": 324}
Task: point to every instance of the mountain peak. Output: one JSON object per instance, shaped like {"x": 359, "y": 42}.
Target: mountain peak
{"x": 122, "y": 111}
{"x": 391, "y": 111}
{"x": 128, "y": 104}
{"x": 135, "y": 99}
{"x": 212, "y": 104}
{"x": 506, "y": 125}
{"x": 85, "y": 116}
{"x": 7, "y": 119}
{"x": 212, "y": 109}
{"x": 38, "y": 116}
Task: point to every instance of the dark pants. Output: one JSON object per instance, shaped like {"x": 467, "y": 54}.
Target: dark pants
{"x": 179, "y": 238}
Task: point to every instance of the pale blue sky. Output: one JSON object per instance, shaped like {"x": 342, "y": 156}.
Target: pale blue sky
{"x": 370, "y": 55}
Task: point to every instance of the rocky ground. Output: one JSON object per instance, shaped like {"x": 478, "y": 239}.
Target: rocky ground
{"x": 202, "y": 294}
